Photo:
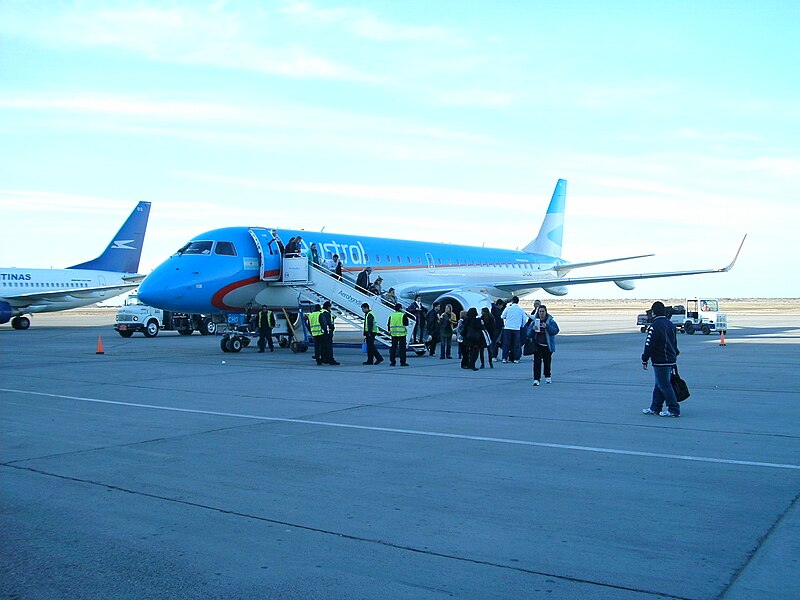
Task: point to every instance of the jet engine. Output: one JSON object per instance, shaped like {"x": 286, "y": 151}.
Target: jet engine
{"x": 464, "y": 300}
{"x": 559, "y": 290}
{"x": 625, "y": 284}
{"x": 6, "y": 312}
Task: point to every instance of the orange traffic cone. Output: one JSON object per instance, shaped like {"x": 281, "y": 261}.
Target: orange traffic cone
{"x": 722, "y": 338}
{"x": 99, "y": 345}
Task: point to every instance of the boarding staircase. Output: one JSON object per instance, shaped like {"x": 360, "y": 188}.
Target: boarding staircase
{"x": 315, "y": 284}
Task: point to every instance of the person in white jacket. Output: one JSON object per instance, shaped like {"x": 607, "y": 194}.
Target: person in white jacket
{"x": 514, "y": 319}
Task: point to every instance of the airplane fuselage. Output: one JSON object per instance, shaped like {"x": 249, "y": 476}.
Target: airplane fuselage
{"x": 209, "y": 281}
{"x": 15, "y": 284}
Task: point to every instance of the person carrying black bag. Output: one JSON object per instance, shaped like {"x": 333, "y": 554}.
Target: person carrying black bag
{"x": 661, "y": 349}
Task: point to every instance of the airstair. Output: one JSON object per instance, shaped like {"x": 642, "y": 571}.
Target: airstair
{"x": 316, "y": 284}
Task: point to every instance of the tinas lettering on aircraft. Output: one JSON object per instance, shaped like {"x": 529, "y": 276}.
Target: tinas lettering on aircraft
{"x": 15, "y": 276}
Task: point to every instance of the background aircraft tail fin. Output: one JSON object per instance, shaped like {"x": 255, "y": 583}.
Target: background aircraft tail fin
{"x": 123, "y": 253}
{"x": 548, "y": 242}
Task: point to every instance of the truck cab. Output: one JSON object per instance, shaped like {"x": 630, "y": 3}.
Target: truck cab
{"x": 136, "y": 316}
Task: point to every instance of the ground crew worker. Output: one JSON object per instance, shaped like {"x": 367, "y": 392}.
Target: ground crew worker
{"x": 398, "y": 329}
{"x": 265, "y": 321}
{"x": 317, "y": 334}
{"x": 370, "y": 331}
{"x": 326, "y": 320}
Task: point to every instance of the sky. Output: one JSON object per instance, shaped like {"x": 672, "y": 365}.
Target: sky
{"x": 677, "y": 126}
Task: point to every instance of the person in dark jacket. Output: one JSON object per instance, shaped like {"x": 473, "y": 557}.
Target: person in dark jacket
{"x": 473, "y": 337}
{"x": 432, "y": 327}
{"x": 446, "y": 325}
{"x": 326, "y": 321}
{"x": 265, "y": 321}
{"x": 362, "y": 281}
{"x": 661, "y": 349}
{"x": 488, "y": 327}
{"x": 497, "y": 310}
{"x": 543, "y": 332}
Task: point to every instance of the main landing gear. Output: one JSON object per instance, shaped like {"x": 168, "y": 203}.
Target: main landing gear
{"x": 20, "y": 322}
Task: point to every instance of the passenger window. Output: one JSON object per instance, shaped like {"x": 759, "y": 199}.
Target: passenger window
{"x": 399, "y": 260}
{"x": 388, "y": 258}
{"x": 225, "y": 249}
{"x": 377, "y": 258}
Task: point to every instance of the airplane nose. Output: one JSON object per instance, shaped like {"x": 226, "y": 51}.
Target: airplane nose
{"x": 159, "y": 291}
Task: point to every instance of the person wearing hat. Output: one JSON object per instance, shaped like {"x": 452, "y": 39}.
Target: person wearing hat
{"x": 375, "y": 286}
{"x": 362, "y": 281}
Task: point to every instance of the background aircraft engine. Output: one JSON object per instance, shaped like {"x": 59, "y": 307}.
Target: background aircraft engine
{"x": 464, "y": 301}
{"x": 625, "y": 284}
{"x": 560, "y": 290}
{"x": 5, "y": 312}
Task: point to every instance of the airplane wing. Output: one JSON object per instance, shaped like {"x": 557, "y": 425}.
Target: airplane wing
{"x": 44, "y": 298}
{"x": 565, "y": 268}
{"x": 553, "y": 284}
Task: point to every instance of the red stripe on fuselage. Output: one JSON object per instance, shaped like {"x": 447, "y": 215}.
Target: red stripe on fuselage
{"x": 217, "y": 300}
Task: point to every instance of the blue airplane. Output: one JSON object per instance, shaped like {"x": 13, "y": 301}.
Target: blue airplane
{"x": 27, "y": 291}
{"x": 226, "y": 270}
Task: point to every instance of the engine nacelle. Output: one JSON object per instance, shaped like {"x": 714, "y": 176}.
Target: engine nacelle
{"x": 464, "y": 300}
{"x": 6, "y": 312}
{"x": 625, "y": 284}
{"x": 559, "y": 290}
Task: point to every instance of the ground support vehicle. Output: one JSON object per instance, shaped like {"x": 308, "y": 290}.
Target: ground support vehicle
{"x": 239, "y": 332}
{"x": 135, "y": 316}
{"x": 699, "y": 314}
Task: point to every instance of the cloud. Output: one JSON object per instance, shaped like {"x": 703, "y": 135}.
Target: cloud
{"x": 364, "y": 24}
{"x": 213, "y": 36}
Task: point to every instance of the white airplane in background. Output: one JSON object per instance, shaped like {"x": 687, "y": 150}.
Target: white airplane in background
{"x": 27, "y": 291}
{"x": 225, "y": 270}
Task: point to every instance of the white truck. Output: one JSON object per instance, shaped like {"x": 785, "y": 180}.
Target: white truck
{"x": 698, "y": 314}
{"x": 136, "y": 316}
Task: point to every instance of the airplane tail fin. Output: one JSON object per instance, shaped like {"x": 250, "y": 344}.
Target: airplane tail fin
{"x": 548, "y": 242}
{"x": 123, "y": 253}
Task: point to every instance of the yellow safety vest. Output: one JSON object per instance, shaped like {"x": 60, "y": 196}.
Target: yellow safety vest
{"x": 270, "y": 318}
{"x": 314, "y": 324}
{"x": 396, "y": 327}
{"x": 374, "y": 328}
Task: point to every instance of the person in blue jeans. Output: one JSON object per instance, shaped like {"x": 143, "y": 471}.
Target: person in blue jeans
{"x": 661, "y": 349}
{"x": 514, "y": 319}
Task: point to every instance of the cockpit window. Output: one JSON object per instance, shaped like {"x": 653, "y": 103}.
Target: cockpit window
{"x": 225, "y": 248}
{"x": 196, "y": 248}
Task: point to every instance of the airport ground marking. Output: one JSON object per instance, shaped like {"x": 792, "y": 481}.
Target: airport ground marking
{"x": 439, "y": 434}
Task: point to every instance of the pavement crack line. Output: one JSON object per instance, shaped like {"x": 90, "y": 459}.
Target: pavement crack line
{"x": 347, "y": 536}
{"x": 754, "y": 551}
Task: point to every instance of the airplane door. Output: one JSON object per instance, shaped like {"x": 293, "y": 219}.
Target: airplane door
{"x": 268, "y": 253}
{"x": 431, "y": 264}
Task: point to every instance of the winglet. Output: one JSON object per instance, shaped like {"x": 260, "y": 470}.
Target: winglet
{"x": 730, "y": 266}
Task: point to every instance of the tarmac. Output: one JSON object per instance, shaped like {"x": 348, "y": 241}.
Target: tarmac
{"x": 165, "y": 468}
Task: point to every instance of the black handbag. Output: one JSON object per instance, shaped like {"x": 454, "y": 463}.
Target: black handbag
{"x": 529, "y": 347}
{"x": 679, "y": 385}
